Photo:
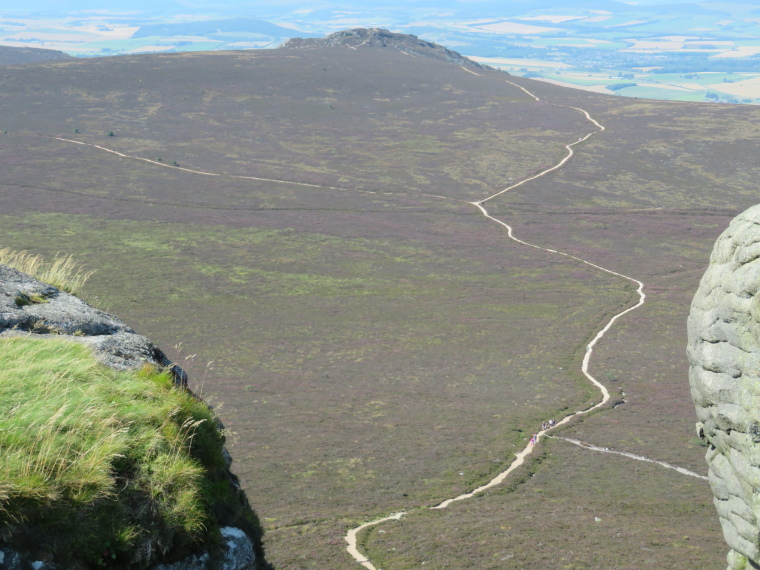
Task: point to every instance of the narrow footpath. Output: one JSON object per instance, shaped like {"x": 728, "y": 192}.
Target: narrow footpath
{"x": 351, "y": 537}
{"x": 191, "y": 170}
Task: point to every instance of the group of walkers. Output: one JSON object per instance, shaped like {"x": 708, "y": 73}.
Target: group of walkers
{"x": 544, "y": 426}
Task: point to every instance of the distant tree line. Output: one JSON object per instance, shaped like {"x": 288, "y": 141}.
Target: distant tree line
{"x": 690, "y": 63}
{"x": 619, "y": 86}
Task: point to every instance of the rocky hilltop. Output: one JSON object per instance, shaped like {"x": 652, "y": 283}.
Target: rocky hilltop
{"x": 724, "y": 354}
{"x": 34, "y": 310}
{"x": 381, "y": 38}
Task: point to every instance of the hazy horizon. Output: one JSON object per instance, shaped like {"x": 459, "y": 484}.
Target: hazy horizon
{"x": 195, "y": 6}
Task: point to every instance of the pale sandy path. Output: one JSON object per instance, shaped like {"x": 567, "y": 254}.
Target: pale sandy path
{"x": 524, "y": 89}
{"x": 584, "y": 445}
{"x": 351, "y": 537}
{"x": 470, "y": 71}
{"x": 560, "y": 164}
{"x": 195, "y": 171}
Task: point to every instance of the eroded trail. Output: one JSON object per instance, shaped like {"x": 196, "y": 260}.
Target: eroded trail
{"x": 192, "y": 170}
{"x": 351, "y": 537}
{"x": 664, "y": 464}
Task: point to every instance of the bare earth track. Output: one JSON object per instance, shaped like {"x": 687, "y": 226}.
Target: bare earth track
{"x": 351, "y": 536}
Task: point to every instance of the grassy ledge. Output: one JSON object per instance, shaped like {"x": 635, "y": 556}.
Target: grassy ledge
{"x": 103, "y": 467}
{"x": 63, "y": 272}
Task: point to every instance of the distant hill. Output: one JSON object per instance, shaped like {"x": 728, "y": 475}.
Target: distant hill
{"x": 211, "y": 28}
{"x": 379, "y": 37}
{"x": 21, "y": 55}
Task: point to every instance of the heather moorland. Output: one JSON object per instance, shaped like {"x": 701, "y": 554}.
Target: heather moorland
{"x": 301, "y": 221}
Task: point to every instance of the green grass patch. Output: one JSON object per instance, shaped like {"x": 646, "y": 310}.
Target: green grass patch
{"x": 644, "y": 92}
{"x": 102, "y": 461}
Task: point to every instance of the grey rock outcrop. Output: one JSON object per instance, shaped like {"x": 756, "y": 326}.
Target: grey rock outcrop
{"x": 238, "y": 555}
{"x": 10, "y": 560}
{"x": 381, "y": 38}
{"x": 724, "y": 356}
{"x": 31, "y": 307}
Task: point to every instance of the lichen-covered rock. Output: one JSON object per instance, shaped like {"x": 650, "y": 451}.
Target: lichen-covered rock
{"x": 724, "y": 354}
{"x": 10, "y": 560}
{"x": 30, "y": 306}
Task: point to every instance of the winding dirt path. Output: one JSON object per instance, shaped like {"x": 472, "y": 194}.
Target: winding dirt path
{"x": 195, "y": 171}
{"x": 470, "y": 71}
{"x": 351, "y": 537}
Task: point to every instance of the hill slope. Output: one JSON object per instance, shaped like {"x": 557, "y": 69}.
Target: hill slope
{"x": 305, "y": 219}
{"x": 21, "y": 55}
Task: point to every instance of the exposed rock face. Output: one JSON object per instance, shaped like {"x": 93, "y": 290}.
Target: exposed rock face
{"x": 378, "y": 37}
{"x": 28, "y": 306}
{"x": 724, "y": 353}
{"x": 238, "y": 555}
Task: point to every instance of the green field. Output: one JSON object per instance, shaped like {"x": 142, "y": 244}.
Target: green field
{"x": 693, "y": 87}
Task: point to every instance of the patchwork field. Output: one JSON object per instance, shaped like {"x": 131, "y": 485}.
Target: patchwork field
{"x": 641, "y": 83}
{"x": 372, "y": 340}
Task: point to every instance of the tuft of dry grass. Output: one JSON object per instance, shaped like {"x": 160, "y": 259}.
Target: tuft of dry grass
{"x": 63, "y": 272}
{"x": 124, "y": 451}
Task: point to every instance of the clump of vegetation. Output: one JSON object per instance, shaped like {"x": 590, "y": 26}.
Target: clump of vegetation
{"x": 98, "y": 461}
{"x": 22, "y": 300}
{"x": 63, "y": 272}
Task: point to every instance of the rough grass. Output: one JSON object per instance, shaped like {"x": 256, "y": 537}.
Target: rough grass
{"x": 97, "y": 460}
{"x": 63, "y": 272}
